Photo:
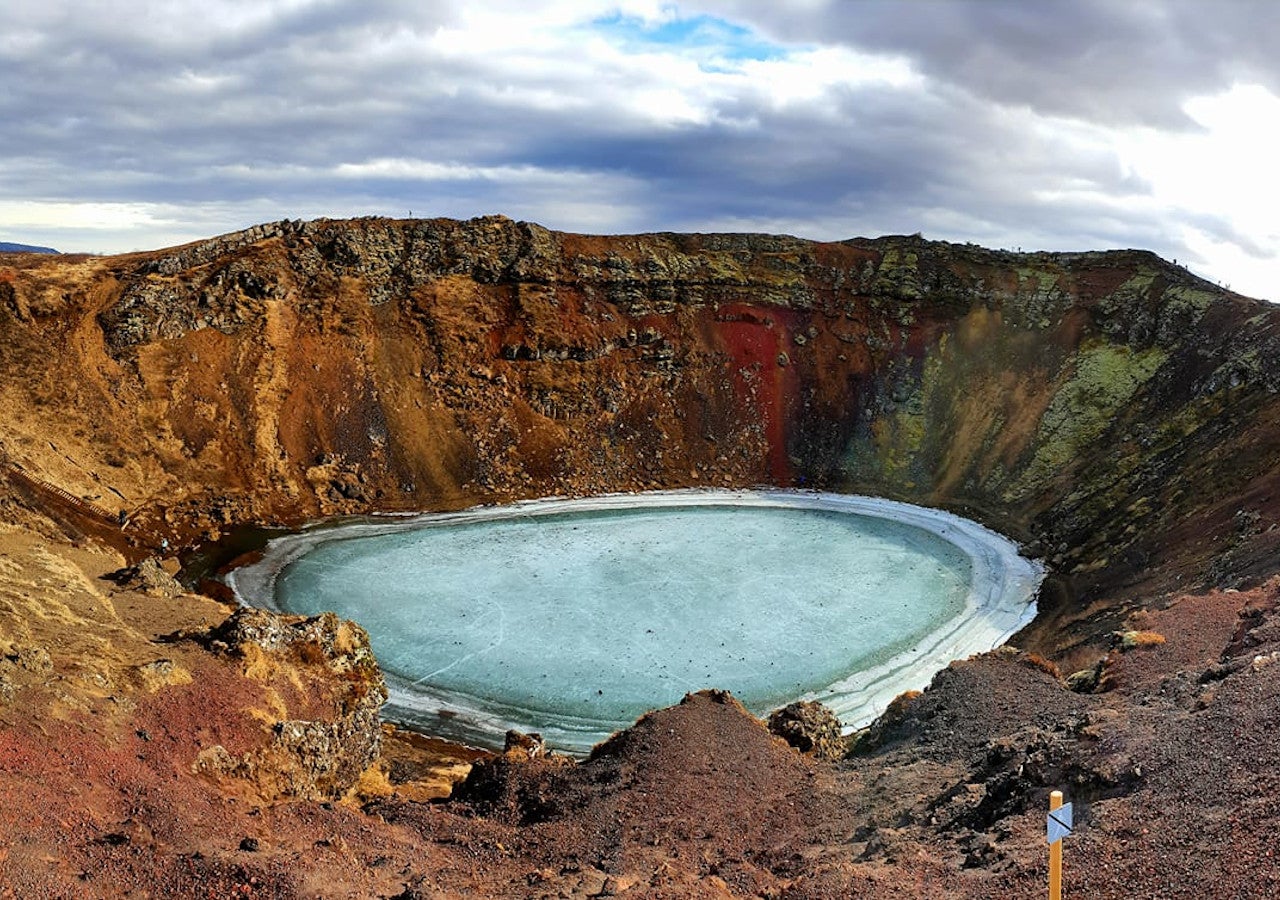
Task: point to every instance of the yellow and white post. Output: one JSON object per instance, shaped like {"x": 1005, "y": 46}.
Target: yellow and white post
{"x": 1055, "y": 853}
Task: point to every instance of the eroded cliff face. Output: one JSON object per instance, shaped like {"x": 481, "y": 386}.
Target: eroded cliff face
{"x": 1111, "y": 409}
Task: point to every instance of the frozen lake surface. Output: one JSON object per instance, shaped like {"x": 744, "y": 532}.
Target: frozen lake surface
{"x": 572, "y": 618}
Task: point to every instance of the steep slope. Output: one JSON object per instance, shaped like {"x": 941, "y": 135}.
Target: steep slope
{"x": 1111, "y": 409}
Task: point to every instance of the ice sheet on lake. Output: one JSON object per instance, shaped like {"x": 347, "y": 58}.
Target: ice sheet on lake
{"x": 572, "y": 617}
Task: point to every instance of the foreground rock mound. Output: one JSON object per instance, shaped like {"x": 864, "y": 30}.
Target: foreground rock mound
{"x": 319, "y": 666}
{"x": 705, "y": 773}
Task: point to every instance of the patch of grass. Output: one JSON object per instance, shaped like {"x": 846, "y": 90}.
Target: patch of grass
{"x": 1036, "y": 661}
{"x": 1133, "y": 640}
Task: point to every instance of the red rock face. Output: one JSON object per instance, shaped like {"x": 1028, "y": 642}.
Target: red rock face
{"x": 765, "y": 385}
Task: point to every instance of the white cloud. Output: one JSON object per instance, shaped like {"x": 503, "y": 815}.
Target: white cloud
{"x": 1224, "y": 174}
{"x": 1251, "y": 274}
{"x": 44, "y": 215}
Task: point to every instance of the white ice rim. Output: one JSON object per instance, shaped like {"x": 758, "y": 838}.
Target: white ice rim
{"x": 1000, "y": 602}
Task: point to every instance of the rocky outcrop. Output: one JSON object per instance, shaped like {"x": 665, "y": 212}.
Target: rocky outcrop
{"x": 514, "y": 785}
{"x": 811, "y": 728}
{"x": 21, "y": 664}
{"x": 149, "y": 577}
{"x": 329, "y": 663}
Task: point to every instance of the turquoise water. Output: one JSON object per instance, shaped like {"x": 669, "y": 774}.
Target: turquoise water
{"x": 575, "y": 623}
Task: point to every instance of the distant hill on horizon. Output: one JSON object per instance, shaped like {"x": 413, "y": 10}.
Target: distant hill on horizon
{"x": 6, "y": 247}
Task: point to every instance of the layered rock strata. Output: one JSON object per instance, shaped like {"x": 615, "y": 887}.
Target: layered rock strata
{"x": 1111, "y": 409}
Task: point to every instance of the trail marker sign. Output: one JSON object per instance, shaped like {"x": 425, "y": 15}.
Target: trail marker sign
{"x": 1059, "y": 823}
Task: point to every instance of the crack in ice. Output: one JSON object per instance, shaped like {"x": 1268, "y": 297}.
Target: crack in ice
{"x": 495, "y": 644}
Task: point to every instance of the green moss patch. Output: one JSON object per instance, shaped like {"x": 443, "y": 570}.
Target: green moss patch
{"x": 1105, "y": 380}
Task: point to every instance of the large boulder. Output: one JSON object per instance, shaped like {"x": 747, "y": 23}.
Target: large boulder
{"x": 325, "y": 676}
{"x": 809, "y": 727}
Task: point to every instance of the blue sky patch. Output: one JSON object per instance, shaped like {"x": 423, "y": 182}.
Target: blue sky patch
{"x": 709, "y": 38}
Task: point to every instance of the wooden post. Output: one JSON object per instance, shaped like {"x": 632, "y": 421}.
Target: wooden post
{"x": 1055, "y": 854}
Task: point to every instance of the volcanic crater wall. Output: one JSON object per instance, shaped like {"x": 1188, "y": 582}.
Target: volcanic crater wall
{"x": 1110, "y": 409}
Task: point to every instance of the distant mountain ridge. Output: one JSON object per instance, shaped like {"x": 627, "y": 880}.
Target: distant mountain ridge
{"x": 6, "y": 247}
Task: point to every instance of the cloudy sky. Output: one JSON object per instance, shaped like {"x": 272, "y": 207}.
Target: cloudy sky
{"x": 132, "y": 124}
